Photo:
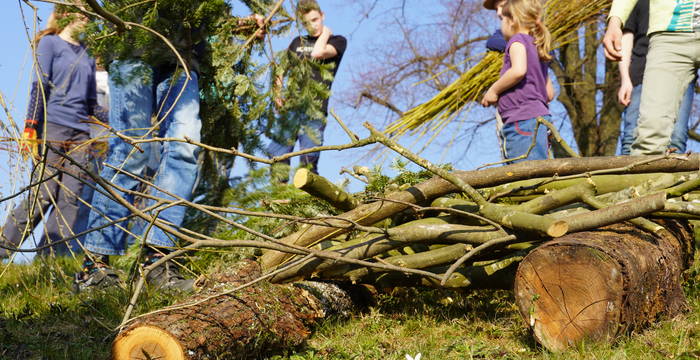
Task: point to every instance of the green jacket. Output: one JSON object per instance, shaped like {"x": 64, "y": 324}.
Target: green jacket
{"x": 664, "y": 15}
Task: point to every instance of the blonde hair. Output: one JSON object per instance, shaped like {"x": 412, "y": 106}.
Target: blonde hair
{"x": 54, "y": 25}
{"x": 528, "y": 15}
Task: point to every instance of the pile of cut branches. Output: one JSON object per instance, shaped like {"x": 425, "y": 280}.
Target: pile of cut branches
{"x": 593, "y": 248}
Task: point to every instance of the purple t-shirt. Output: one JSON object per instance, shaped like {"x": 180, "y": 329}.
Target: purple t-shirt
{"x": 528, "y": 98}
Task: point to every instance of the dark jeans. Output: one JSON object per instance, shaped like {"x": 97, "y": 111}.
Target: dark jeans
{"x": 62, "y": 192}
{"x": 309, "y": 134}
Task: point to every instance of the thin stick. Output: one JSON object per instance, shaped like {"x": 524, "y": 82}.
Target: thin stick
{"x": 474, "y": 252}
{"x": 353, "y": 137}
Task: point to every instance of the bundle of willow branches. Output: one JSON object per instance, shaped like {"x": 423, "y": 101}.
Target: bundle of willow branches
{"x": 563, "y": 18}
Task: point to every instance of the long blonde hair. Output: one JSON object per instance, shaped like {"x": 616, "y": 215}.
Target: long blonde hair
{"x": 528, "y": 15}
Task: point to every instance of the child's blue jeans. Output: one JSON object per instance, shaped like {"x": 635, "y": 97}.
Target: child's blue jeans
{"x": 516, "y": 139}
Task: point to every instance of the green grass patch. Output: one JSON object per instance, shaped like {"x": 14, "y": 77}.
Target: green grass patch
{"x": 41, "y": 318}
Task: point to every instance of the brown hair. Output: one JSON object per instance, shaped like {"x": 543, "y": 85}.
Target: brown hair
{"x": 57, "y": 21}
{"x": 527, "y": 15}
{"x": 306, "y": 6}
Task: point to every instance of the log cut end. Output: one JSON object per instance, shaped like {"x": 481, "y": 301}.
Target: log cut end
{"x": 147, "y": 342}
{"x": 570, "y": 294}
{"x": 302, "y": 178}
{"x": 558, "y": 229}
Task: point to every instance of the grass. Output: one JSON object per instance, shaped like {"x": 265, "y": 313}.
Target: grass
{"x": 40, "y": 318}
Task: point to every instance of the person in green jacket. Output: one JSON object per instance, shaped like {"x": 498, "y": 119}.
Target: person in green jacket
{"x": 672, "y": 62}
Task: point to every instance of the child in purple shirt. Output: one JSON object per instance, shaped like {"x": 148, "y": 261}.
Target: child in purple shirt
{"x": 524, "y": 90}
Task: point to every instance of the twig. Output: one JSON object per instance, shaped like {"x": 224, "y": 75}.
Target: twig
{"x": 120, "y": 24}
{"x": 474, "y": 252}
{"x": 353, "y": 137}
{"x": 557, "y": 137}
{"x": 466, "y": 188}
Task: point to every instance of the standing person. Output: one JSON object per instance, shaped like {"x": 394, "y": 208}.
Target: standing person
{"x": 144, "y": 82}
{"x": 524, "y": 90}
{"x": 320, "y": 45}
{"x": 635, "y": 45}
{"x": 62, "y": 98}
{"x": 672, "y": 61}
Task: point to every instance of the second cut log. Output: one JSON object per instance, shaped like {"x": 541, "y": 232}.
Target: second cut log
{"x": 596, "y": 285}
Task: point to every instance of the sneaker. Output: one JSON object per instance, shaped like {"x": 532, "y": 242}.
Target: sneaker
{"x": 167, "y": 276}
{"x": 97, "y": 276}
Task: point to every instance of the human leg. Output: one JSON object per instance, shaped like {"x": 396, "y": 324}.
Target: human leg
{"x": 179, "y": 118}
{"x": 311, "y": 135}
{"x": 629, "y": 121}
{"x": 131, "y": 106}
{"x": 62, "y": 222}
{"x": 518, "y": 138}
{"x": 22, "y": 220}
{"x": 670, "y": 68}
{"x": 679, "y": 137}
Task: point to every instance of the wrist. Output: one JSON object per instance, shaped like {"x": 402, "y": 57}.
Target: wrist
{"x": 615, "y": 22}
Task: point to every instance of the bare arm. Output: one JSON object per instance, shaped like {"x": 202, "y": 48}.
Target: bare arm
{"x": 625, "y": 92}
{"x": 550, "y": 89}
{"x": 322, "y": 50}
{"x": 624, "y": 64}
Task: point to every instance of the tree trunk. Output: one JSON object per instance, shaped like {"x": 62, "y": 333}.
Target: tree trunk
{"x": 596, "y": 285}
{"x": 249, "y": 324}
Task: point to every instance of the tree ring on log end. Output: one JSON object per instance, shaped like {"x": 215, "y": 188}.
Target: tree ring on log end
{"x": 147, "y": 342}
{"x": 570, "y": 294}
{"x": 558, "y": 229}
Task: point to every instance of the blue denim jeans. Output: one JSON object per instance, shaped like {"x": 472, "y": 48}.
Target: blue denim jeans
{"x": 630, "y": 116}
{"x": 134, "y": 99}
{"x": 516, "y": 139}
{"x": 309, "y": 134}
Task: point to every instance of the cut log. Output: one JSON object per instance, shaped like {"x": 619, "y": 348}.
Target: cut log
{"x": 596, "y": 285}
{"x": 249, "y": 324}
{"x": 320, "y": 187}
{"x": 368, "y": 214}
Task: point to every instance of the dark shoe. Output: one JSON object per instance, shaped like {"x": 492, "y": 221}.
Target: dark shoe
{"x": 167, "y": 276}
{"x": 5, "y": 254}
{"x": 100, "y": 276}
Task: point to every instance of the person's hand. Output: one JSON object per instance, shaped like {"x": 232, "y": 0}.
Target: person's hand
{"x": 279, "y": 102}
{"x": 624, "y": 94}
{"x": 327, "y": 31}
{"x": 490, "y": 98}
{"x": 612, "y": 42}
{"x": 260, "y": 21}
{"x": 28, "y": 144}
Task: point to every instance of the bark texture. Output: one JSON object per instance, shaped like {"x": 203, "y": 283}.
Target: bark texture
{"x": 596, "y": 285}
{"x": 368, "y": 214}
{"x": 250, "y": 324}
